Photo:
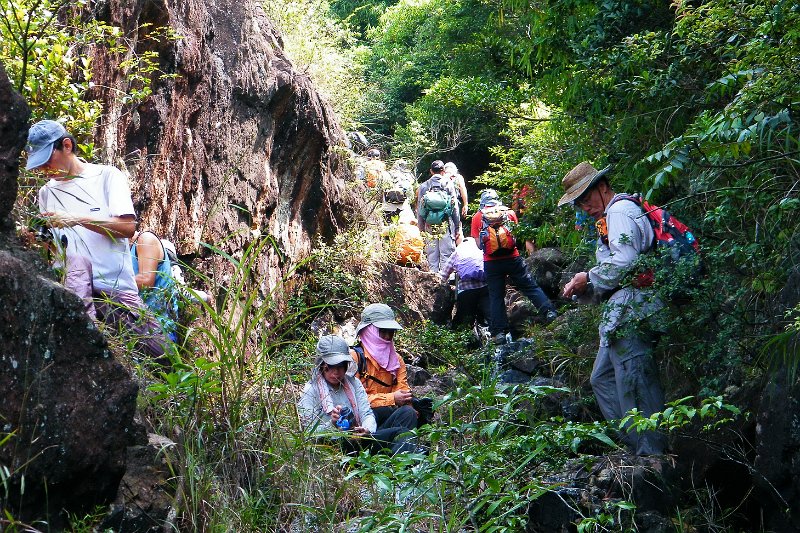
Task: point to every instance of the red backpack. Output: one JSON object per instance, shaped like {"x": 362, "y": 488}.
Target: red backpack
{"x": 672, "y": 239}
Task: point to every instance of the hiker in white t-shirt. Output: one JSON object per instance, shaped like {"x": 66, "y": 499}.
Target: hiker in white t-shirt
{"x": 90, "y": 212}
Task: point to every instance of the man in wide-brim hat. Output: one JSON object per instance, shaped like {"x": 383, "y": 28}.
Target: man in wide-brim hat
{"x": 624, "y": 374}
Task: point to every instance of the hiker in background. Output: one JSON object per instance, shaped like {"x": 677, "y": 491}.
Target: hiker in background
{"x": 375, "y": 169}
{"x": 472, "y": 293}
{"x": 383, "y": 372}
{"x": 90, "y": 212}
{"x": 451, "y": 172}
{"x": 491, "y": 229}
{"x": 437, "y": 215}
{"x": 520, "y": 199}
{"x": 334, "y": 401}
{"x": 405, "y": 239}
{"x": 398, "y": 190}
{"x": 157, "y": 286}
{"x": 624, "y": 375}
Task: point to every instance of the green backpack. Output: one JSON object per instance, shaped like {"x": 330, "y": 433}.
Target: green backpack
{"x": 437, "y": 205}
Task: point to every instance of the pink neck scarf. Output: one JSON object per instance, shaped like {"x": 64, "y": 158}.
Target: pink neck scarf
{"x": 325, "y": 397}
{"x": 382, "y": 351}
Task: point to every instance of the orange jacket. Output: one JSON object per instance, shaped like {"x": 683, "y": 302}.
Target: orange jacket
{"x": 380, "y": 395}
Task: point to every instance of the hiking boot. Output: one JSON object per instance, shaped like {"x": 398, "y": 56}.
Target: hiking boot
{"x": 499, "y": 339}
{"x": 550, "y": 316}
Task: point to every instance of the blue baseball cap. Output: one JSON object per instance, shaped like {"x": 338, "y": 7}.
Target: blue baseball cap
{"x": 41, "y": 141}
{"x": 489, "y": 198}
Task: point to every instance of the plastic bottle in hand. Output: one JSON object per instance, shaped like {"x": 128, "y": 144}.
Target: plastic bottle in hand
{"x": 345, "y": 414}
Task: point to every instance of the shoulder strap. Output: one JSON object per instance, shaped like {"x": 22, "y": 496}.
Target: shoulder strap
{"x": 163, "y": 248}
{"x": 362, "y": 360}
{"x": 362, "y": 366}
{"x": 635, "y": 198}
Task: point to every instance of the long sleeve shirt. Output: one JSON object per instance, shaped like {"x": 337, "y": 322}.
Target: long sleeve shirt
{"x": 381, "y": 395}
{"x": 317, "y": 421}
{"x": 629, "y": 234}
{"x": 450, "y": 267}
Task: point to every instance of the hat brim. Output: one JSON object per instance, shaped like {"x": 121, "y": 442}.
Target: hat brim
{"x": 39, "y": 157}
{"x": 337, "y": 359}
{"x": 571, "y": 196}
{"x": 380, "y": 324}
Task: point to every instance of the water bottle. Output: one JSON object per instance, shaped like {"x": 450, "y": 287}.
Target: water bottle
{"x": 344, "y": 418}
{"x": 689, "y": 237}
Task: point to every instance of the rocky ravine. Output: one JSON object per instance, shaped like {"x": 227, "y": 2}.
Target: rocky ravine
{"x": 236, "y": 144}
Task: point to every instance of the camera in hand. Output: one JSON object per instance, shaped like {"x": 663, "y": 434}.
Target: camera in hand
{"x": 346, "y": 417}
{"x": 43, "y": 233}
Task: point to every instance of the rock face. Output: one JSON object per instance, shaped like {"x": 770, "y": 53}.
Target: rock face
{"x": 414, "y": 294}
{"x": 67, "y": 406}
{"x": 777, "y": 463}
{"x": 587, "y": 488}
{"x": 237, "y": 144}
{"x": 13, "y": 133}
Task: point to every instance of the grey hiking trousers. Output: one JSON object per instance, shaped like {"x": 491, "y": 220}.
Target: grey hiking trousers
{"x": 625, "y": 376}
{"x": 438, "y": 251}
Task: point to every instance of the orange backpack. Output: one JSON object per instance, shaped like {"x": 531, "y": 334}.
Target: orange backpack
{"x": 496, "y": 238}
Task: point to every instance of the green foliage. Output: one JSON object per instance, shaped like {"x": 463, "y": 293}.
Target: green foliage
{"x": 40, "y": 49}
{"x": 340, "y": 270}
{"x": 486, "y": 463}
{"x": 713, "y": 413}
{"x": 330, "y": 57}
{"x": 241, "y": 461}
{"x": 438, "y": 345}
{"x": 44, "y": 48}
{"x": 360, "y": 15}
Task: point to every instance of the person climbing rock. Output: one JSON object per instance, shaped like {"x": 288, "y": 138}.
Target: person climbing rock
{"x": 624, "y": 374}
{"x": 472, "y": 293}
{"x": 334, "y": 401}
{"x": 375, "y": 169}
{"x": 490, "y": 228}
{"x": 90, "y": 212}
{"x": 397, "y": 190}
{"x": 438, "y": 216}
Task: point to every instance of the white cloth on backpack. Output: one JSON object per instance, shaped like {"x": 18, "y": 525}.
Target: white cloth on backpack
{"x": 100, "y": 192}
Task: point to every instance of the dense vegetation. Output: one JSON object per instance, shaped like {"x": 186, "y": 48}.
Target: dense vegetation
{"x": 693, "y": 103}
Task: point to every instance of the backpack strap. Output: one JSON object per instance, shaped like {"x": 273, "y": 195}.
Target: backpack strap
{"x": 164, "y": 250}
{"x": 362, "y": 360}
{"x": 647, "y": 211}
{"x": 362, "y": 366}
